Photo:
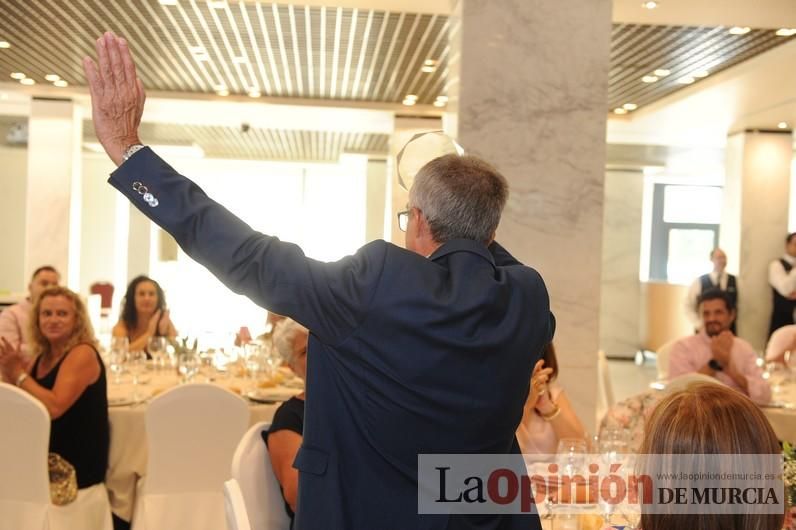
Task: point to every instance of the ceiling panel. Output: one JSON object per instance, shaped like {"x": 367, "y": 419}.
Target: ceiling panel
{"x": 315, "y": 52}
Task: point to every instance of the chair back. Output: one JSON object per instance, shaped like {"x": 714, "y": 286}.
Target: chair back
{"x": 251, "y": 468}
{"x": 192, "y": 432}
{"x": 105, "y": 290}
{"x": 234, "y": 508}
{"x": 26, "y": 438}
{"x": 662, "y": 359}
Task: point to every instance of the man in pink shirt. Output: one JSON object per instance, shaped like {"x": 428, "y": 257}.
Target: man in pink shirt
{"x": 14, "y": 319}
{"x": 716, "y": 352}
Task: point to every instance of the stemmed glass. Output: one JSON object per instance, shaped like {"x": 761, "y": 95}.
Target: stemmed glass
{"x": 571, "y": 460}
{"x": 117, "y": 357}
{"x": 157, "y": 349}
{"x": 188, "y": 366}
{"x": 136, "y": 362}
{"x": 613, "y": 449}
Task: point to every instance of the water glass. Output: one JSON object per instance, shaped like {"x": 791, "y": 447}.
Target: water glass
{"x": 117, "y": 356}
{"x": 136, "y": 363}
{"x": 156, "y": 346}
{"x": 187, "y": 366}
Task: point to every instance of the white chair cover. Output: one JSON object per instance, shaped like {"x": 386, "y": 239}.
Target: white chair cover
{"x": 662, "y": 360}
{"x": 24, "y": 479}
{"x": 251, "y": 468}
{"x": 234, "y": 507}
{"x": 192, "y": 433}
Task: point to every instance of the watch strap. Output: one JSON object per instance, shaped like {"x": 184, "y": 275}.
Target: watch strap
{"x": 130, "y": 151}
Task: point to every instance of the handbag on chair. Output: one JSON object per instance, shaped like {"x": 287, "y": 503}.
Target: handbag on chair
{"x": 63, "y": 480}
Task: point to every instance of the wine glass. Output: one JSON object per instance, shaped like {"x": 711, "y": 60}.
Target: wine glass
{"x": 188, "y": 366}
{"x": 136, "y": 363}
{"x": 613, "y": 448}
{"x": 571, "y": 459}
{"x": 156, "y": 346}
{"x": 117, "y": 357}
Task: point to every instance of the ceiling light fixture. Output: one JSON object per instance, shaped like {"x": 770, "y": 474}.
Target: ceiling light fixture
{"x": 630, "y": 106}
{"x": 411, "y": 96}
{"x": 5, "y": 44}
{"x": 786, "y": 32}
{"x": 222, "y": 93}
{"x": 782, "y": 125}
{"x": 662, "y": 72}
{"x": 439, "y": 103}
{"x": 428, "y": 69}
{"x": 738, "y": 30}
{"x": 61, "y": 83}
{"x": 620, "y": 110}
{"x": 700, "y": 73}
{"x": 18, "y": 75}
{"x": 444, "y": 99}
{"x": 649, "y": 79}
{"x": 686, "y": 80}
{"x": 254, "y": 93}
{"x": 27, "y": 81}
{"x": 52, "y": 77}
{"x": 650, "y": 4}
{"x": 409, "y": 102}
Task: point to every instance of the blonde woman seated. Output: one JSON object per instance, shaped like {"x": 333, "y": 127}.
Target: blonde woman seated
{"x": 68, "y": 377}
{"x": 287, "y": 429}
{"x": 144, "y": 314}
{"x": 710, "y": 419}
{"x": 548, "y": 415}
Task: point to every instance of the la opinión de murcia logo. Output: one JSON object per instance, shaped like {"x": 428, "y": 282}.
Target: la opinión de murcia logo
{"x": 694, "y": 483}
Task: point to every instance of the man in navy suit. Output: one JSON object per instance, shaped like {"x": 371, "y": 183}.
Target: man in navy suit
{"x": 422, "y": 350}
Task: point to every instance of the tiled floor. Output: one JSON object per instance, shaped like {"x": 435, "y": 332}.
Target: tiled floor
{"x": 628, "y": 379}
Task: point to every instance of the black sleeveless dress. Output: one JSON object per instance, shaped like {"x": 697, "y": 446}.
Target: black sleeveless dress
{"x": 82, "y": 434}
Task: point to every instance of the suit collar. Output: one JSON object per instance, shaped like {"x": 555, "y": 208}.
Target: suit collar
{"x": 463, "y": 245}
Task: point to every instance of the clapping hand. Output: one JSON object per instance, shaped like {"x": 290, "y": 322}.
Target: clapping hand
{"x": 539, "y": 379}
{"x": 152, "y": 326}
{"x": 164, "y": 324}
{"x": 11, "y": 364}
{"x": 117, "y": 95}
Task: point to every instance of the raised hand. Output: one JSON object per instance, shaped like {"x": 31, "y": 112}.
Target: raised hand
{"x": 152, "y": 325}
{"x": 117, "y": 95}
{"x": 164, "y": 324}
{"x": 11, "y": 363}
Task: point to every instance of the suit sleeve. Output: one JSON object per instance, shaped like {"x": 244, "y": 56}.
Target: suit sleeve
{"x": 330, "y": 299}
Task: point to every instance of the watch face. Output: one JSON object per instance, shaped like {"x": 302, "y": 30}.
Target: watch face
{"x": 715, "y": 365}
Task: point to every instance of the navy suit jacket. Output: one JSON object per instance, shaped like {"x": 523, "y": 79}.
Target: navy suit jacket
{"x": 407, "y": 354}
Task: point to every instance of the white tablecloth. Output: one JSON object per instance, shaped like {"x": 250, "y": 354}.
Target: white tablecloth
{"x": 128, "y": 451}
{"x": 783, "y": 416}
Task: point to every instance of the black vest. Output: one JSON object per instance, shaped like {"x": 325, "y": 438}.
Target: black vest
{"x": 782, "y": 312}
{"x": 731, "y": 290}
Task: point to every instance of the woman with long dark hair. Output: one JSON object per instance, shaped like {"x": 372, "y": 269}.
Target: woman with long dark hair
{"x": 144, "y": 314}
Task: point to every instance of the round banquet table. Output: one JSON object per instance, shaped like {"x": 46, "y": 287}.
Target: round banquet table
{"x": 781, "y": 413}
{"x": 127, "y": 460}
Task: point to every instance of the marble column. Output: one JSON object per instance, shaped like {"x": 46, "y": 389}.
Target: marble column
{"x": 755, "y": 221}
{"x": 53, "y": 198}
{"x": 376, "y": 190}
{"x": 620, "y": 302}
{"x": 532, "y": 94}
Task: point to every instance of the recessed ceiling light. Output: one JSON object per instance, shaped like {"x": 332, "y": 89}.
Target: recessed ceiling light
{"x": 630, "y": 106}
{"x": 168, "y": 2}
{"x": 444, "y": 99}
{"x": 649, "y": 79}
{"x": 686, "y": 80}
{"x": 5, "y": 44}
{"x": 254, "y": 93}
{"x": 52, "y": 77}
{"x": 27, "y": 81}
{"x": 224, "y": 92}
{"x": 662, "y": 72}
{"x": 220, "y": 87}
{"x": 430, "y": 62}
{"x": 650, "y": 4}
{"x": 18, "y": 75}
{"x": 700, "y": 73}
{"x": 411, "y": 96}
{"x": 61, "y": 83}
{"x": 620, "y": 110}
{"x": 409, "y": 102}
{"x": 782, "y": 125}
{"x": 786, "y": 32}
{"x": 428, "y": 69}
{"x": 738, "y": 30}
{"x": 218, "y": 4}
{"x": 439, "y": 103}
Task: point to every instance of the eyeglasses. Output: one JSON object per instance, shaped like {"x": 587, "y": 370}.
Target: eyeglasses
{"x": 403, "y": 220}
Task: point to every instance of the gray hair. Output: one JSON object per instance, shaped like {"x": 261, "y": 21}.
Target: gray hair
{"x": 285, "y": 334}
{"x": 461, "y": 197}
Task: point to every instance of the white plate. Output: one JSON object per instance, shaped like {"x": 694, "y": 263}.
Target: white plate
{"x": 121, "y": 401}
{"x": 271, "y": 395}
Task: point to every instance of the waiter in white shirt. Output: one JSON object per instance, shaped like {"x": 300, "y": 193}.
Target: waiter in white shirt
{"x": 782, "y": 278}
{"x": 719, "y": 279}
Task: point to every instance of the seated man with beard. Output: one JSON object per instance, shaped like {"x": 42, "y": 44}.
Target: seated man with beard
{"x": 716, "y": 352}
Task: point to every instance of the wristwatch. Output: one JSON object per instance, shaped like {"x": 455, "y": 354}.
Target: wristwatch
{"x": 130, "y": 151}
{"x": 715, "y": 365}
